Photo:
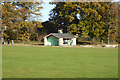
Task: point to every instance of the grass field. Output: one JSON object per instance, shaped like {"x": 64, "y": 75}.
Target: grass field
{"x": 59, "y": 62}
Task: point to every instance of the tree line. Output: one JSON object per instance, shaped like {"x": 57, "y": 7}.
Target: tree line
{"x": 94, "y": 20}
{"x": 21, "y": 20}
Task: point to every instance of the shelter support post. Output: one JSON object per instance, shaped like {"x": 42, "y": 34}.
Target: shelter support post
{"x": 60, "y": 41}
{"x": 45, "y": 41}
{"x": 74, "y": 41}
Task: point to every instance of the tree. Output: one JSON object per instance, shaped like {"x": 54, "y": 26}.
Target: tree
{"x": 119, "y": 22}
{"x": 83, "y": 18}
{"x": 114, "y": 21}
{"x": 9, "y": 34}
{"x": 17, "y": 17}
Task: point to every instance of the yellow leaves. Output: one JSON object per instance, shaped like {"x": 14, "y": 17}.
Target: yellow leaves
{"x": 4, "y": 34}
{"x": 89, "y": 10}
{"x": 65, "y": 5}
{"x": 107, "y": 6}
{"x": 102, "y": 31}
{"x": 99, "y": 17}
{"x": 83, "y": 28}
{"x": 92, "y": 16}
{"x": 86, "y": 10}
{"x": 60, "y": 13}
{"x": 24, "y": 36}
{"x": 70, "y": 18}
{"x": 96, "y": 13}
{"x": 73, "y": 28}
{"x": 85, "y": 4}
{"x": 98, "y": 4}
{"x": 88, "y": 13}
{"x": 103, "y": 9}
{"x": 72, "y": 13}
{"x": 97, "y": 34}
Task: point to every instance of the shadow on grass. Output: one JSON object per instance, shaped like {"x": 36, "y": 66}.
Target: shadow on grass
{"x": 39, "y": 44}
{"x": 84, "y": 43}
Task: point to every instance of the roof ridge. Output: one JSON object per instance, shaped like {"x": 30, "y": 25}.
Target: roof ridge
{"x": 61, "y": 35}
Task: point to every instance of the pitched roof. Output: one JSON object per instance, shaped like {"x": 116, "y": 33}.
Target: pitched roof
{"x": 61, "y": 35}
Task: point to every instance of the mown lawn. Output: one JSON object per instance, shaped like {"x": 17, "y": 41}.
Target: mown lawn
{"x": 59, "y": 62}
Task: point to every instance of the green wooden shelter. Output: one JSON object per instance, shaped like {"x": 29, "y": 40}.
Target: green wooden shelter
{"x": 59, "y": 39}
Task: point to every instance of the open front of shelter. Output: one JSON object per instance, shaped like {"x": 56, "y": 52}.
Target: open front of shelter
{"x": 59, "y": 39}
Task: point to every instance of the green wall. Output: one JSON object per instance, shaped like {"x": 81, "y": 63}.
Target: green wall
{"x": 53, "y": 40}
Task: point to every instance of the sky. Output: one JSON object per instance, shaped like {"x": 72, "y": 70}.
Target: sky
{"x": 47, "y": 8}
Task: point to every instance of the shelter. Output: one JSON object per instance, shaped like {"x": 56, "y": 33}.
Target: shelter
{"x": 59, "y": 39}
